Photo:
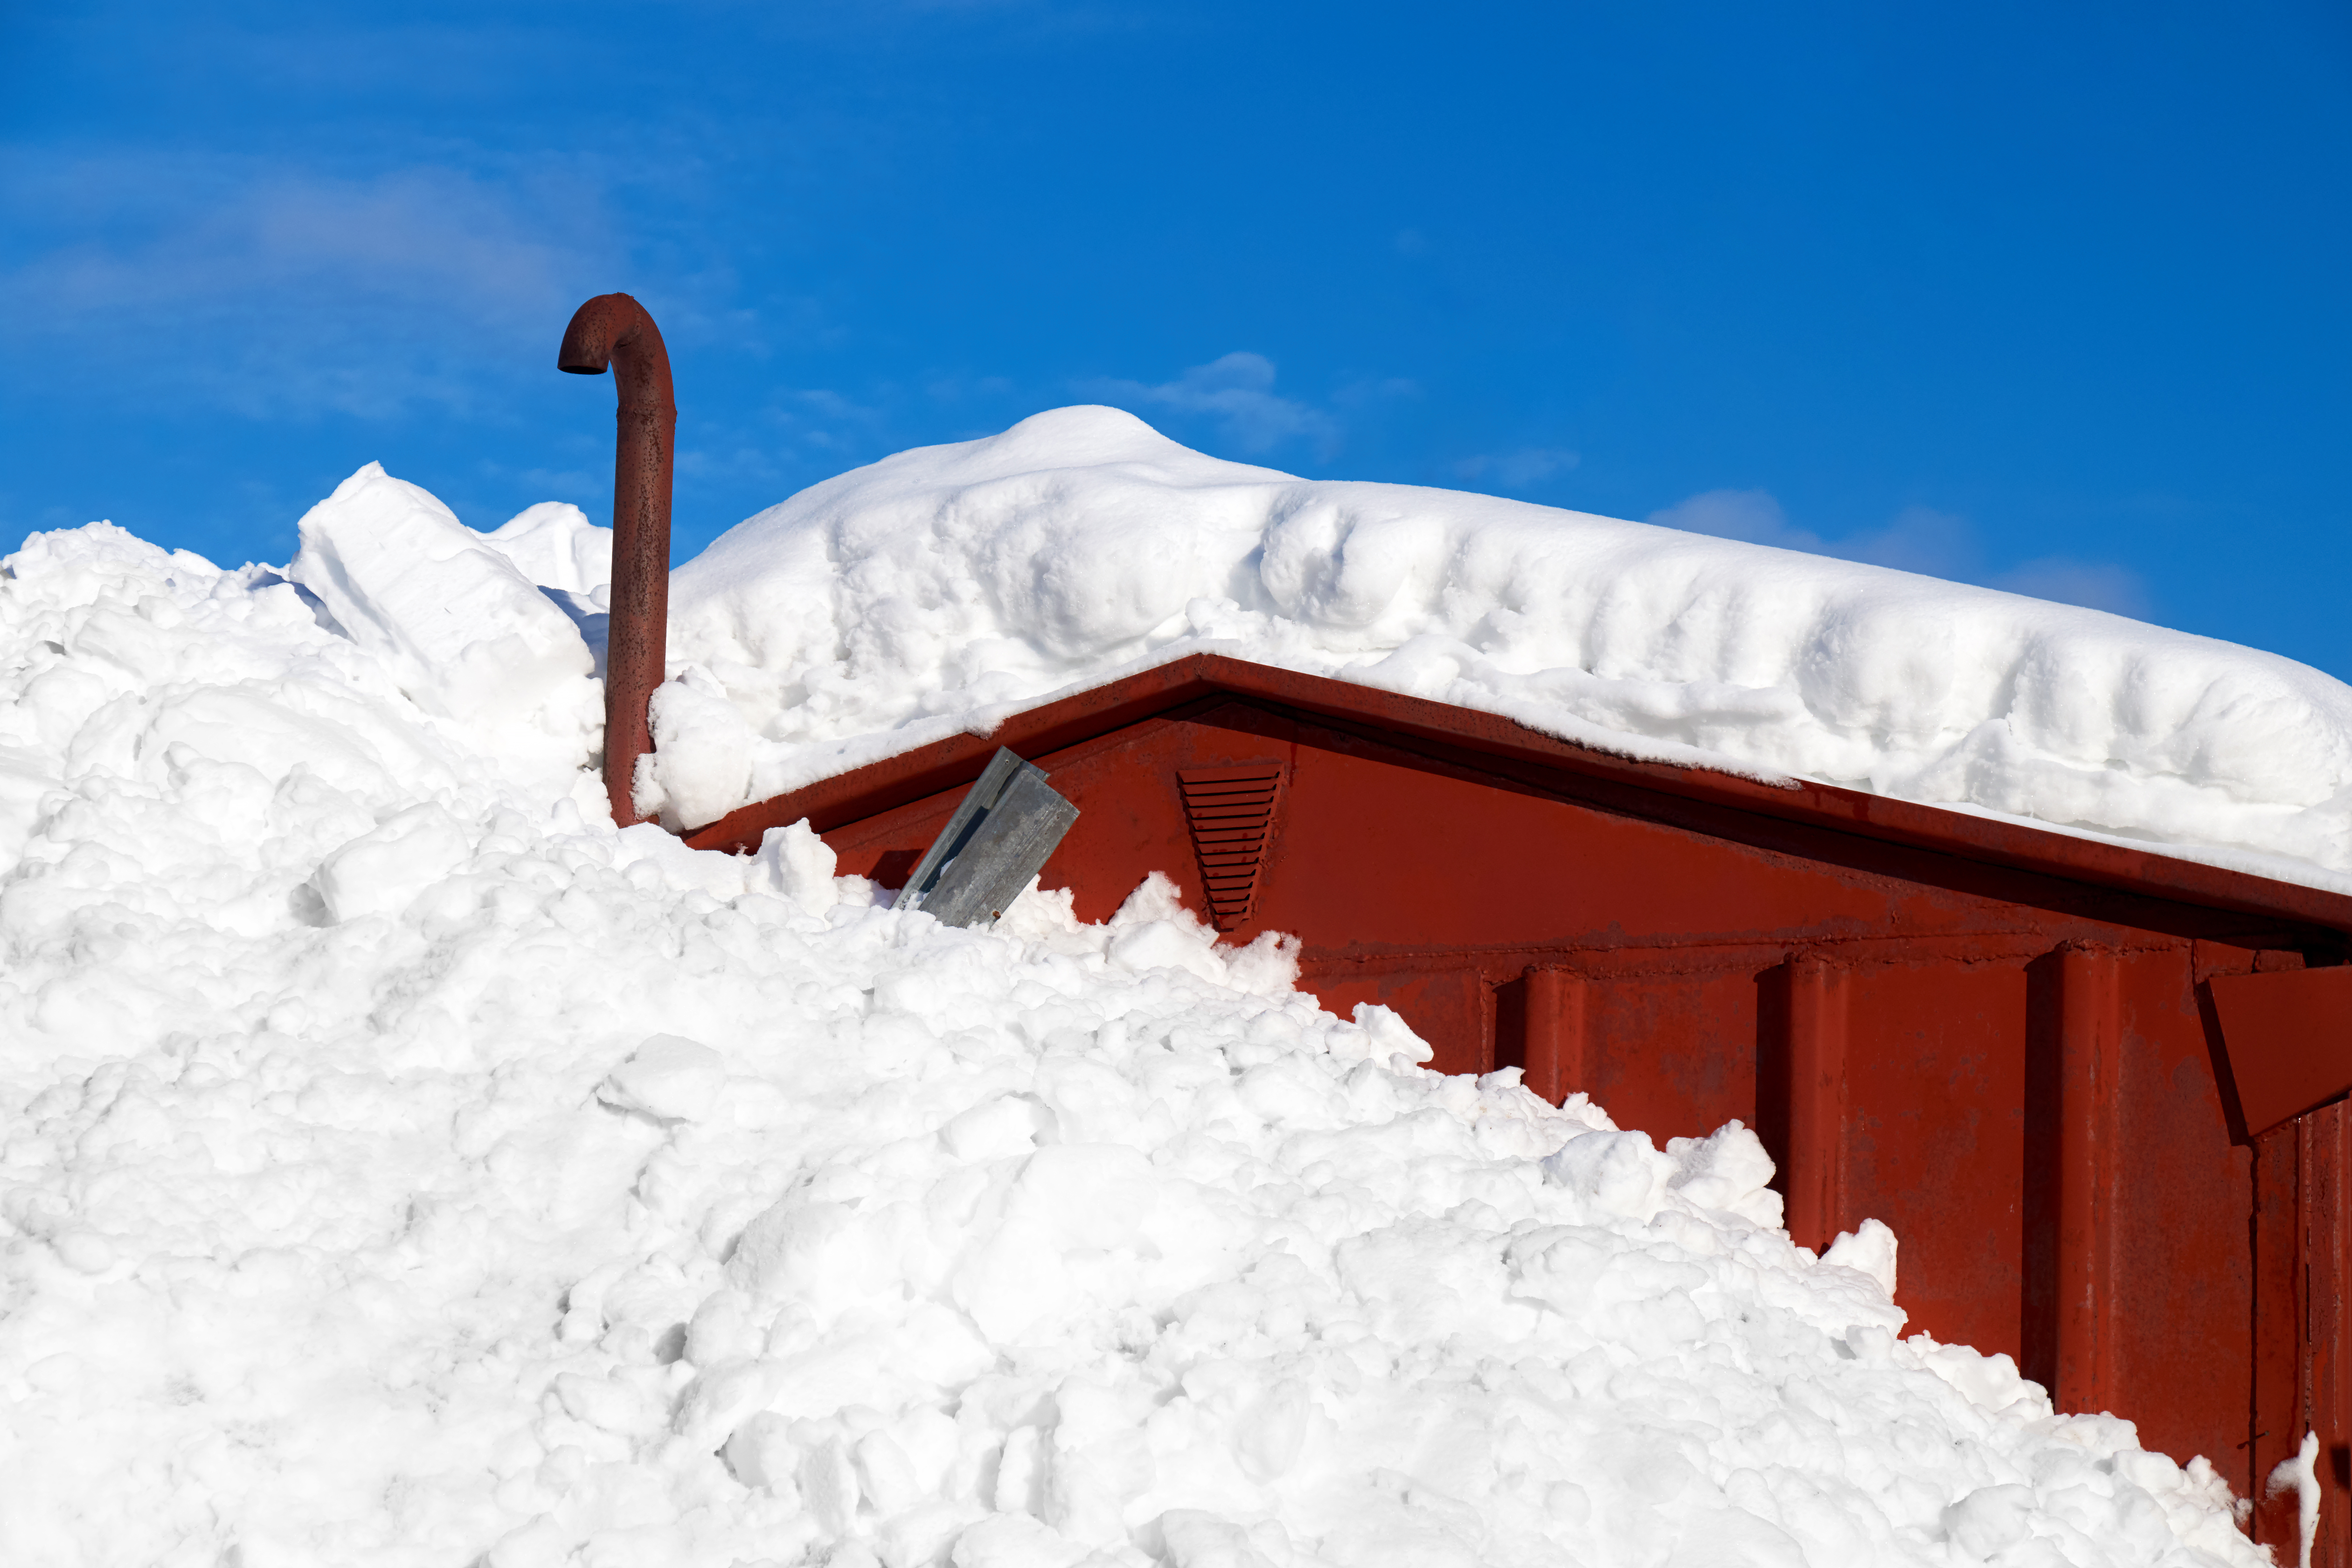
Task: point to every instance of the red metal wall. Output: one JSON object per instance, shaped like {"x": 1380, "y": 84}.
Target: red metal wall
{"x": 2011, "y": 1068}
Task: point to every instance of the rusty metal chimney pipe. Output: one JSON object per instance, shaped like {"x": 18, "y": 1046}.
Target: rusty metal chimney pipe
{"x": 614, "y": 329}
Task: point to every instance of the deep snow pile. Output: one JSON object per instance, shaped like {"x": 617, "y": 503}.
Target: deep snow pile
{"x": 397, "y": 1164}
{"x": 939, "y": 589}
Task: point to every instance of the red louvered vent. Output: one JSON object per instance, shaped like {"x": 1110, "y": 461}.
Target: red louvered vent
{"x": 1231, "y": 810}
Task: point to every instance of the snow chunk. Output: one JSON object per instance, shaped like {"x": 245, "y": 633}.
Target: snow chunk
{"x": 554, "y": 546}
{"x": 701, "y": 765}
{"x": 1729, "y": 1171}
{"x": 1620, "y": 1174}
{"x": 379, "y": 872}
{"x": 668, "y": 1078}
{"x": 799, "y": 866}
{"x": 1990, "y": 1520}
{"x": 467, "y": 636}
{"x": 1868, "y": 1249}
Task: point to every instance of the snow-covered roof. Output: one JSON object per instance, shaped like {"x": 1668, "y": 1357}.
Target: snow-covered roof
{"x": 943, "y": 589}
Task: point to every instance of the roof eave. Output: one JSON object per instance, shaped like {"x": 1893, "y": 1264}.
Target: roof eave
{"x": 1081, "y": 716}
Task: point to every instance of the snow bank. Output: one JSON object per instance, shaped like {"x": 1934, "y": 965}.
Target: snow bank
{"x": 399, "y": 1165}
{"x": 943, "y": 588}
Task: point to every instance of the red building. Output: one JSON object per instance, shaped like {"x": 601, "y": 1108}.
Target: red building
{"x": 2105, "y": 1155}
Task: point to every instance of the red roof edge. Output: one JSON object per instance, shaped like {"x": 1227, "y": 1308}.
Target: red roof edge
{"x": 893, "y": 780}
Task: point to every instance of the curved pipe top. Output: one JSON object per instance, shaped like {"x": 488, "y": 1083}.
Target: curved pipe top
{"x": 614, "y": 329}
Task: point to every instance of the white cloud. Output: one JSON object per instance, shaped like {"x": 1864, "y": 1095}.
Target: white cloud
{"x": 571, "y": 484}
{"x": 1516, "y": 470}
{"x": 2093, "y": 585}
{"x": 1921, "y": 538}
{"x": 1366, "y": 391}
{"x": 1754, "y": 516}
{"x": 1918, "y": 539}
{"x": 268, "y": 289}
{"x": 1237, "y": 391}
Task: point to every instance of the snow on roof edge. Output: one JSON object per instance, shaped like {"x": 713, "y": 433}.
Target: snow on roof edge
{"x": 941, "y": 589}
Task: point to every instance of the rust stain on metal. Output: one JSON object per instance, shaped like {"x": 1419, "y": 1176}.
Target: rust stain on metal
{"x": 614, "y": 330}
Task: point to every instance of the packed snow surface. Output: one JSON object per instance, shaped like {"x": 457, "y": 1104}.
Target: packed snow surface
{"x": 943, "y": 589}
{"x": 400, "y": 1165}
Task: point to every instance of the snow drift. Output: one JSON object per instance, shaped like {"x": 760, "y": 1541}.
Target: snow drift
{"x": 399, "y": 1165}
{"x": 943, "y": 589}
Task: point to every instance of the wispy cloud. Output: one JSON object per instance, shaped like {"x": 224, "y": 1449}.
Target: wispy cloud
{"x": 1370, "y": 392}
{"x": 1238, "y": 392}
{"x": 1516, "y": 470}
{"x": 268, "y": 288}
{"x": 2097, "y": 585}
{"x": 1753, "y": 516}
{"x": 1917, "y": 539}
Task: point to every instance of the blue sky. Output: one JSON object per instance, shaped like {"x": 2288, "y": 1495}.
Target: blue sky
{"x": 2049, "y": 297}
